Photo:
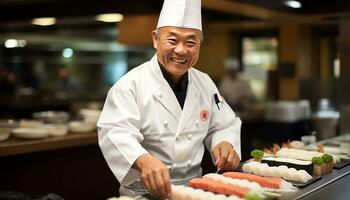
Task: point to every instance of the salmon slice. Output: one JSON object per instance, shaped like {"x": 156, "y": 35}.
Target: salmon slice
{"x": 217, "y": 187}
{"x": 270, "y": 182}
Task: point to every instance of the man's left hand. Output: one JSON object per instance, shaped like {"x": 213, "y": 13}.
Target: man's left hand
{"x": 226, "y": 157}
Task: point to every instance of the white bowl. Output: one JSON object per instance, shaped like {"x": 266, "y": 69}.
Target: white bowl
{"x": 28, "y": 123}
{"x": 81, "y": 127}
{"x": 90, "y": 115}
{"x": 5, "y": 133}
{"x": 52, "y": 116}
{"x": 30, "y": 133}
{"x": 90, "y": 112}
{"x": 8, "y": 123}
{"x": 57, "y": 129}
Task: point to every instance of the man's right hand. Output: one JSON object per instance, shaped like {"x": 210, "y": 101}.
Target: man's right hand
{"x": 154, "y": 175}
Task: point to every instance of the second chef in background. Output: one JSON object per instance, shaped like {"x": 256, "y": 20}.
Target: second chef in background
{"x": 158, "y": 117}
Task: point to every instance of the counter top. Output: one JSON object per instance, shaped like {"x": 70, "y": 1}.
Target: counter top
{"x": 331, "y": 185}
{"x": 15, "y": 146}
{"x": 325, "y": 185}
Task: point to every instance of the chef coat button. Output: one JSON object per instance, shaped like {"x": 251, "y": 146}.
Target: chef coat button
{"x": 159, "y": 94}
{"x": 196, "y": 122}
{"x": 165, "y": 123}
{"x": 174, "y": 165}
{"x": 189, "y": 136}
{"x": 178, "y": 138}
{"x": 189, "y": 162}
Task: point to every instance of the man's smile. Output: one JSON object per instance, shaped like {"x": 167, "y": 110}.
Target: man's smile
{"x": 179, "y": 61}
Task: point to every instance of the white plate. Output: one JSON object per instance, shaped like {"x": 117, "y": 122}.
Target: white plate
{"x": 5, "y": 133}
{"x": 90, "y": 116}
{"x": 26, "y": 123}
{"x": 30, "y": 133}
{"x": 57, "y": 129}
{"x": 81, "y": 127}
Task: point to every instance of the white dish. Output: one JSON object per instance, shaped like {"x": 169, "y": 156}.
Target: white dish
{"x": 81, "y": 127}
{"x": 90, "y": 112}
{"x": 57, "y": 129}
{"x": 90, "y": 115}
{"x": 30, "y": 133}
{"x": 5, "y": 133}
{"x": 27, "y": 123}
{"x": 52, "y": 116}
{"x": 8, "y": 123}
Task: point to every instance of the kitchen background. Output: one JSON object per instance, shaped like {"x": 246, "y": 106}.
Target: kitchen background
{"x": 60, "y": 55}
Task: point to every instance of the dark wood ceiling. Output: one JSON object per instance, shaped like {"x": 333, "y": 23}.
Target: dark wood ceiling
{"x": 16, "y": 14}
{"x": 308, "y": 6}
{"x": 25, "y": 9}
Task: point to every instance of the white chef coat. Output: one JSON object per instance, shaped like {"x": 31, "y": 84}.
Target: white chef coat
{"x": 142, "y": 115}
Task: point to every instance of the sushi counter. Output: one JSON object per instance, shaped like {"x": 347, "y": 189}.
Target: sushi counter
{"x": 71, "y": 166}
{"x": 334, "y": 185}
{"x": 15, "y": 146}
{"x": 63, "y": 165}
{"x": 289, "y": 171}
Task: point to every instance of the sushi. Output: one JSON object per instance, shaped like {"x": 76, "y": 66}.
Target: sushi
{"x": 283, "y": 171}
{"x": 243, "y": 183}
{"x": 301, "y": 154}
{"x": 262, "y": 181}
{"x": 218, "y": 188}
{"x": 180, "y": 192}
{"x": 290, "y": 163}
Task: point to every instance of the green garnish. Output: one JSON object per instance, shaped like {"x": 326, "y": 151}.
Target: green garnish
{"x": 317, "y": 160}
{"x": 252, "y": 196}
{"x": 257, "y": 153}
{"x": 327, "y": 158}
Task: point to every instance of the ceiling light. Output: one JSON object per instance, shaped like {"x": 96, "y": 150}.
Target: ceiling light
{"x": 293, "y": 4}
{"x": 12, "y": 43}
{"x": 110, "y": 17}
{"x": 45, "y": 21}
{"x": 67, "y": 52}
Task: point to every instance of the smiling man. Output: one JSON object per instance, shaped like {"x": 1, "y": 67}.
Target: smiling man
{"x": 177, "y": 49}
{"x": 158, "y": 118}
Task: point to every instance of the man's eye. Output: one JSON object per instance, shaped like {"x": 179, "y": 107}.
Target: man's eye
{"x": 191, "y": 43}
{"x": 171, "y": 40}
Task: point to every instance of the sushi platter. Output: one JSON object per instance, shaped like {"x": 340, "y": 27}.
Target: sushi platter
{"x": 341, "y": 164}
{"x": 304, "y": 184}
{"x": 339, "y": 146}
{"x": 288, "y": 171}
{"x": 278, "y": 170}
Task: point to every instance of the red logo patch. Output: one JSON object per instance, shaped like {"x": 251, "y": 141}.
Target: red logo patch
{"x": 204, "y": 115}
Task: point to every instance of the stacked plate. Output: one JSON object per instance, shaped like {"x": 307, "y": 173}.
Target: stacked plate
{"x": 81, "y": 127}
{"x": 30, "y": 133}
{"x": 5, "y": 133}
{"x": 6, "y": 127}
{"x": 36, "y": 129}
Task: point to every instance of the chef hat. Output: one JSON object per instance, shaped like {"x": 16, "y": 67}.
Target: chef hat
{"x": 231, "y": 63}
{"x": 181, "y": 13}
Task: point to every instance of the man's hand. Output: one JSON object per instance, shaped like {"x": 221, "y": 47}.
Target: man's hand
{"x": 226, "y": 157}
{"x": 154, "y": 175}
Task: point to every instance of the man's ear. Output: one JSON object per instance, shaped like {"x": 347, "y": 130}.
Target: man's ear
{"x": 154, "y": 38}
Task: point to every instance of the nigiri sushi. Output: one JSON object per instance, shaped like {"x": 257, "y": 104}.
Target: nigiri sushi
{"x": 289, "y": 162}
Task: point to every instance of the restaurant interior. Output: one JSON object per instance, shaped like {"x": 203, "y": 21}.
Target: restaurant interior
{"x": 58, "y": 59}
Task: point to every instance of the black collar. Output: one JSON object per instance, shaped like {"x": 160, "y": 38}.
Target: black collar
{"x": 183, "y": 81}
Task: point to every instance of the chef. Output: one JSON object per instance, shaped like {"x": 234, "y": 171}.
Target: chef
{"x": 158, "y": 118}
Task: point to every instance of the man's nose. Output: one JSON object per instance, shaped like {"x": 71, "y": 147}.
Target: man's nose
{"x": 180, "y": 48}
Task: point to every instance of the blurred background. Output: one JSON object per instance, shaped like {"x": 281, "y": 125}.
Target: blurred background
{"x": 64, "y": 55}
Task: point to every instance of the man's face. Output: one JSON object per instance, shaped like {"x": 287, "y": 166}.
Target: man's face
{"x": 177, "y": 49}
